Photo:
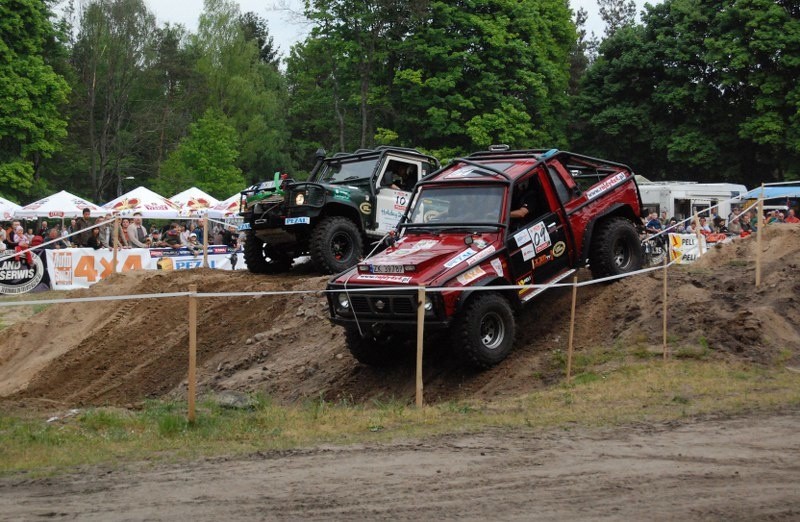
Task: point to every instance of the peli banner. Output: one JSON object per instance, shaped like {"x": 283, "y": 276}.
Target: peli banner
{"x": 685, "y": 248}
{"x": 72, "y": 268}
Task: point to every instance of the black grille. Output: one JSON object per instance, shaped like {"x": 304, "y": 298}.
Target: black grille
{"x": 316, "y": 196}
{"x": 384, "y": 305}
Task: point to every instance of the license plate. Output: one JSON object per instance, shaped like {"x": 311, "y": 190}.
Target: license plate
{"x": 387, "y": 269}
{"x": 298, "y": 221}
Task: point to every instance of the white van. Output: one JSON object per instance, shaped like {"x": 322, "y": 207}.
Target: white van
{"x": 681, "y": 199}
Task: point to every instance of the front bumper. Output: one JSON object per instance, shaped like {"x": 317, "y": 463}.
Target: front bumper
{"x": 396, "y": 309}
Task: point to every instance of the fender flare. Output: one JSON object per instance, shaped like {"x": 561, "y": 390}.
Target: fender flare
{"x": 617, "y": 209}
{"x": 511, "y": 295}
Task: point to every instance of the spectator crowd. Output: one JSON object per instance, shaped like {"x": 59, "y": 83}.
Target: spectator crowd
{"x": 738, "y": 223}
{"x": 85, "y": 232}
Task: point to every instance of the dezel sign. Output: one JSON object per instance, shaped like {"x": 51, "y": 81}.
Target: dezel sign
{"x": 17, "y": 276}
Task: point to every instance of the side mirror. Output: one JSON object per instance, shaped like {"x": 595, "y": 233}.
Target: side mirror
{"x": 391, "y": 239}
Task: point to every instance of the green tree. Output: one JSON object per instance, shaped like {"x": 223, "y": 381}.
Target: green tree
{"x": 319, "y": 113}
{"x": 356, "y": 39}
{"x": 255, "y": 29}
{"x": 206, "y": 158}
{"x": 115, "y": 43}
{"x": 477, "y": 72}
{"x": 617, "y": 14}
{"x": 702, "y": 90}
{"x": 251, "y": 93}
{"x": 32, "y": 94}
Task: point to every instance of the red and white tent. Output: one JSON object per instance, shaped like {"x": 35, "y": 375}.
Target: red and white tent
{"x": 145, "y": 201}
{"x": 59, "y": 205}
{"x": 7, "y": 209}
{"x": 226, "y": 209}
{"x": 194, "y": 202}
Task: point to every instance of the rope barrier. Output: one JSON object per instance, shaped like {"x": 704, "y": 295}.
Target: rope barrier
{"x": 265, "y": 293}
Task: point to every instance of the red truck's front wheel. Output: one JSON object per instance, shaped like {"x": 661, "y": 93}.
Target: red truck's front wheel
{"x": 484, "y": 331}
{"x": 375, "y": 349}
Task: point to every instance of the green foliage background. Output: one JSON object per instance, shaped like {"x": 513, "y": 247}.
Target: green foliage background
{"x": 694, "y": 90}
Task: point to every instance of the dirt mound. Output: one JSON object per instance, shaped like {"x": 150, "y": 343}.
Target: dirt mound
{"x": 121, "y": 352}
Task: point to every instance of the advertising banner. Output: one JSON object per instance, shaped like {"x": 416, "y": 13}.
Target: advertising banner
{"x": 72, "y": 268}
{"x": 685, "y": 248}
{"x": 21, "y": 273}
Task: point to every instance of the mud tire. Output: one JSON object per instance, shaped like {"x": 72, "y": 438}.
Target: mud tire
{"x": 335, "y": 245}
{"x": 615, "y": 248}
{"x": 261, "y": 258}
{"x": 484, "y": 330}
{"x": 379, "y": 350}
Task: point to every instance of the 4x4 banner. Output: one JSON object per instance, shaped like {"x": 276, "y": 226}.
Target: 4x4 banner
{"x": 72, "y": 268}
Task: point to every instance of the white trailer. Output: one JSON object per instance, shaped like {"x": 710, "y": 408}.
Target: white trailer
{"x": 681, "y": 199}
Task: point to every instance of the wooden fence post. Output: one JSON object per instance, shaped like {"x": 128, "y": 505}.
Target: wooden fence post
{"x": 192, "y": 378}
{"x": 205, "y": 241}
{"x": 116, "y": 244}
{"x": 420, "y": 328}
{"x": 572, "y": 327}
{"x": 666, "y": 349}
{"x": 760, "y": 222}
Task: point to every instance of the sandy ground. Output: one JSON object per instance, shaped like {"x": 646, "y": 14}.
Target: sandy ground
{"x": 122, "y": 352}
{"x": 731, "y": 469}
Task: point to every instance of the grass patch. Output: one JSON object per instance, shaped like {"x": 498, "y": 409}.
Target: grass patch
{"x": 40, "y": 308}
{"x": 637, "y": 392}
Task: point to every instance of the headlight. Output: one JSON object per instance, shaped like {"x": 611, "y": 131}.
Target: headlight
{"x": 299, "y": 198}
{"x": 344, "y": 302}
{"x": 428, "y": 304}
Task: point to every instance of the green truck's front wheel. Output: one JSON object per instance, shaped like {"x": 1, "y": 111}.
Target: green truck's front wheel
{"x": 335, "y": 244}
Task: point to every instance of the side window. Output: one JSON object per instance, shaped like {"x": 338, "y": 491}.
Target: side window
{"x": 399, "y": 175}
{"x": 564, "y": 193}
{"x": 528, "y": 193}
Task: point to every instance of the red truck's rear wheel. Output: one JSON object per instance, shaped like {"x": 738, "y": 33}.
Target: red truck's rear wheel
{"x": 615, "y": 248}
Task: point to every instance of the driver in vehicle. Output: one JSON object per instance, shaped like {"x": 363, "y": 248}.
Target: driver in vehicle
{"x": 402, "y": 177}
{"x": 522, "y": 204}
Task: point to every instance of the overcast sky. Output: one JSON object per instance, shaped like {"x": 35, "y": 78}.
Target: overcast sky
{"x": 285, "y": 20}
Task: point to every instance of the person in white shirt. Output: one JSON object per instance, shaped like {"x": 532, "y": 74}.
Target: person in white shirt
{"x": 136, "y": 232}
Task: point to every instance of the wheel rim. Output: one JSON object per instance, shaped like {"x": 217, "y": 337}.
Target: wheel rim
{"x": 274, "y": 257}
{"x": 621, "y": 254}
{"x": 341, "y": 246}
{"x": 492, "y": 330}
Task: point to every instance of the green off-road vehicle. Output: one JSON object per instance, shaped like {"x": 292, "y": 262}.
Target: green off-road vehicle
{"x": 348, "y": 201}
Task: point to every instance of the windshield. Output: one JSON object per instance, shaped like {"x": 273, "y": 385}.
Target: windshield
{"x": 458, "y": 205}
{"x": 337, "y": 172}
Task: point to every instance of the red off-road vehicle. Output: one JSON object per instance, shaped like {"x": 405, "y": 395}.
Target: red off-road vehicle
{"x": 459, "y": 234}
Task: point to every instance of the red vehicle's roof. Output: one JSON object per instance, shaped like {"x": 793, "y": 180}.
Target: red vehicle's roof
{"x": 516, "y": 163}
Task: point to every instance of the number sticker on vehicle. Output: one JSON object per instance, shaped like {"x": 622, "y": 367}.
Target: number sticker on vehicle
{"x": 386, "y": 269}
{"x": 298, "y": 221}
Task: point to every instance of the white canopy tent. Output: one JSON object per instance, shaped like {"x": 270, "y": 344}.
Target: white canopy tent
{"x": 59, "y": 205}
{"x": 226, "y": 209}
{"x": 7, "y": 209}
{"x": 194, "y": 202}
{"x": 144, "y": 201}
